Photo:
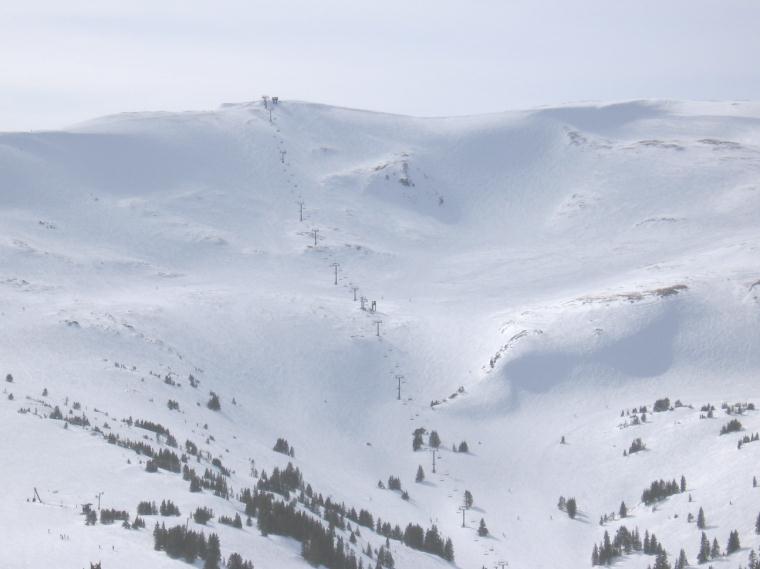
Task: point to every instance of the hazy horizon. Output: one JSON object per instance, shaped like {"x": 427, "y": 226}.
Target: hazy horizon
{"x": 65, "y": 64}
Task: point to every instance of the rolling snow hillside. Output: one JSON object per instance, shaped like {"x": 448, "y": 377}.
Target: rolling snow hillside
{"x": 535, "y": 273}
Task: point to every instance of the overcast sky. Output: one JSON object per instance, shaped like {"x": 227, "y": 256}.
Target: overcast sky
{"x": 65, "y": 61}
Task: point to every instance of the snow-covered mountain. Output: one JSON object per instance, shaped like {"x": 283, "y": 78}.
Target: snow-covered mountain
{"x": 535, "y": 273}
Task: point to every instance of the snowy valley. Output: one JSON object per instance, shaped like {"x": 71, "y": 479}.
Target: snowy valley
{"x": 568, "y": 297}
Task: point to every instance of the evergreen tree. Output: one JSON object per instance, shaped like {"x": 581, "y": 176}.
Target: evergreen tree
{"x": 213, "y": 402}
{"x": 715, "y": 551}
{"x": 158, "y": 537}
{"x": 420, "y": 474}
{"x": 595, "y": 556}
{"x": 661, "y": 561}
{"x": 733, "y": 544}
{"x": 701, "y": 519}
{"x": 237, "y": 562}
{"x": 757, "y": 524}
{"x": 704, "y": 549}
{"x": 681, "y": 562}
{"x": 572, "y": 508}
{"x": 448, "y": 550}
{"x": 606, "y": 553}
{"x": 468, "y": 501}
{"x": 417, "y": 442}
{"x": 434, "y": 440}
{"x": 623, "y": 510}
{"x": 202, "y": 515}
{"x": 394, "y": 483}
{"x": 683, "y": 483}
{"x": 482, "y": 529}
{"x": 213, "y": 553}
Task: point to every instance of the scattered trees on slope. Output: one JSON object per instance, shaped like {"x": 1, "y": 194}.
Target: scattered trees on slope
{"x": 659, "y": 490}
{"x": 732, "y": 426}
{"x": 568, "y": 506}
{"x": 282, "y": 446}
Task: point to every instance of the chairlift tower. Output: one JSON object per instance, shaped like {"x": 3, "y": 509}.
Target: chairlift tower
{"x": 463, "y": 510}
{"x": 399, "y": 377}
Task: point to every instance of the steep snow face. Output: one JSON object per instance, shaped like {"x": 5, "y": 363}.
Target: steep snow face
{"x": 534, "y": 273}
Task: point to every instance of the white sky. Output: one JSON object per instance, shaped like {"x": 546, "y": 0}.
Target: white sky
{"x": 65, "y": 61}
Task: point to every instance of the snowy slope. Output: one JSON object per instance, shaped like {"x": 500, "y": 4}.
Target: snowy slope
{"x": 557, "y": 265}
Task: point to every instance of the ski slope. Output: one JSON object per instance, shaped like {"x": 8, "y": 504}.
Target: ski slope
{"x": 535, "y": 273}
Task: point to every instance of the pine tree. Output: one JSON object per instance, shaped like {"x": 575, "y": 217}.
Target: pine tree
{"x": 202, "y": 515}
{"x": 572, "y": 508}
{"x": 623, "y": 510}
{"x": 158, "y": 538}
{"x": 661, "y": 562}
{"x": 701, "y": 519}
{"x": 482, "y": 530}
{"x": 606, "y": 553}
{"x": 468, "y": 499}
{"x": 213, "y": 402}
{"x": 420, "y": 474}
{"x": 683, "y": 483}
{"x": 757, "y": 524}
{"x": 213, "y": 553}
{"x": 434, "y": 440}
{"x": 715, "y": 551}
{"x": 733, "y": 543}
{"x": 417, "y": 442}
{"x": 704, "y": 549}
{"x": 595, "y": 555}
{"x": 681, "y": 562}
{"x": 448, "y": 550}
